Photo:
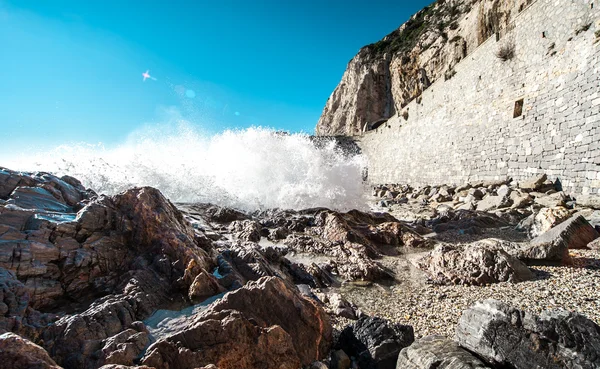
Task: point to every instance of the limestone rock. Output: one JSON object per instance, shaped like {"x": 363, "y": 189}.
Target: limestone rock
{"x": 554, "y": 339}
{"x": 594, "y": 245}
{"x": 551, "y": 201}
{"x": 547, "y": 218}
{"x": 436, "y": 352}
{"x": 588, "y": 201}
{"x": 533, "y": 183}
{"x": 474, "y": 264}
{"x": 386, "y": 75}
{"x": 264, "y": 324}
{"x": 375, "y": 342}
{"x": 493, "y": 203}
{"x": 19, "y": 353}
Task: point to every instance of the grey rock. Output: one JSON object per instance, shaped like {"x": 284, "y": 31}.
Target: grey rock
{"x": 594, "y": 245}
{"x": 508, "y": 337}
{"x": 246, "y": 230}
{"x": 503, "y": 190}
{"x": 437, "y": 352}
{"x": 493, "y": 203}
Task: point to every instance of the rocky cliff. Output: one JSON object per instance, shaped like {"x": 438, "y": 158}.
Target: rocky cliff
{"x": 385, "y": 76}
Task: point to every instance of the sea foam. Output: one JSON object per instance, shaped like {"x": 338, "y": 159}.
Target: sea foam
{"x": 250, "y": 169}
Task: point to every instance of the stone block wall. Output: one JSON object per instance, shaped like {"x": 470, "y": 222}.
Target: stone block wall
{"x": 464, "y": 129}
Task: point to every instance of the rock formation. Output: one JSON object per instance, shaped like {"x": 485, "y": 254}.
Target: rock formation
{"x": 266, "y": 324}
{"x": 384, "y": 76}
{"x": 508, "y": 337}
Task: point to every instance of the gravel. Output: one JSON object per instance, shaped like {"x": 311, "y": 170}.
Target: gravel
{"x": 434, "y": 309}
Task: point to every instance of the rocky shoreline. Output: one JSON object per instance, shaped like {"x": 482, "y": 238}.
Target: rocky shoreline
{"x": 422, "y": 281}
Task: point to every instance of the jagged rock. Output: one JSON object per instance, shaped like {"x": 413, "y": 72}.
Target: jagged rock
{"x": 386, "y": 75}
{"x": 17, "y": 352}
{"x": 375, "y": 342}
{"x": 246, "y": 230}
{"x": 83, "y": 340}
{"x": 437, "y": 352}
{"x": 466, "y": 220}
{"x": 265, "y": 324}
{"x": 37, "y": 198}
{"x": 124, "y": 347}
{"x": 533, "y": 183}
{"x": 63, "y": 256}
{"x": 203, "y": 287}
{"x": 519, "y": 200}
{"x": 574, "y": 233}
{"x": 474, "y": 264}
{"x": 508, "y": 337}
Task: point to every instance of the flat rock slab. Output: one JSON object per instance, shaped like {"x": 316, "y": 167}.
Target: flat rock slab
{"x": 437, "y": 352}
{"x": 554, "y": 245}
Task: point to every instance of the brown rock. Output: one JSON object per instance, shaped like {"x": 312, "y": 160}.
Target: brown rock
{"x": 203, "y": 287}
{"x": 265, "y": 324}
{"x": 574, "y": 233}
{"x": 473, "y": 264}
{"x": 19, "y": 353}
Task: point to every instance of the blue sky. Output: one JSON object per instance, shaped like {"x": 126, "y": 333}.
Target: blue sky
{"x": 71, "y": 70}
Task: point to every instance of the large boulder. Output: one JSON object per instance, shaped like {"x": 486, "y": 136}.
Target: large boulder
{"x": 265, "y": 324}
{"x": 554, "y": 245}
{"x": 17, "y": 352}
{"x": 375, "y": 342}
{"x": 437, "y": 352}
{"x": 508, "y": 337}
{"x": 474, "y": 264}
{"x": 62, "y": 255}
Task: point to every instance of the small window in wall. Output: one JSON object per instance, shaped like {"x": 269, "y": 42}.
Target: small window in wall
{"x": 518, "y": 108}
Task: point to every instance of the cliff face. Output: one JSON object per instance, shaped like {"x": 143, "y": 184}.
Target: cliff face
{"x": 385, "y": 76}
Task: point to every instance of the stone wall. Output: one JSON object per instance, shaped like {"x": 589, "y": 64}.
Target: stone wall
{"x": 463, "y": 129}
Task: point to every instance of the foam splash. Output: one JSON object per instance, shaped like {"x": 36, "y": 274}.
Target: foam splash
{"x": 250, "y": 169}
